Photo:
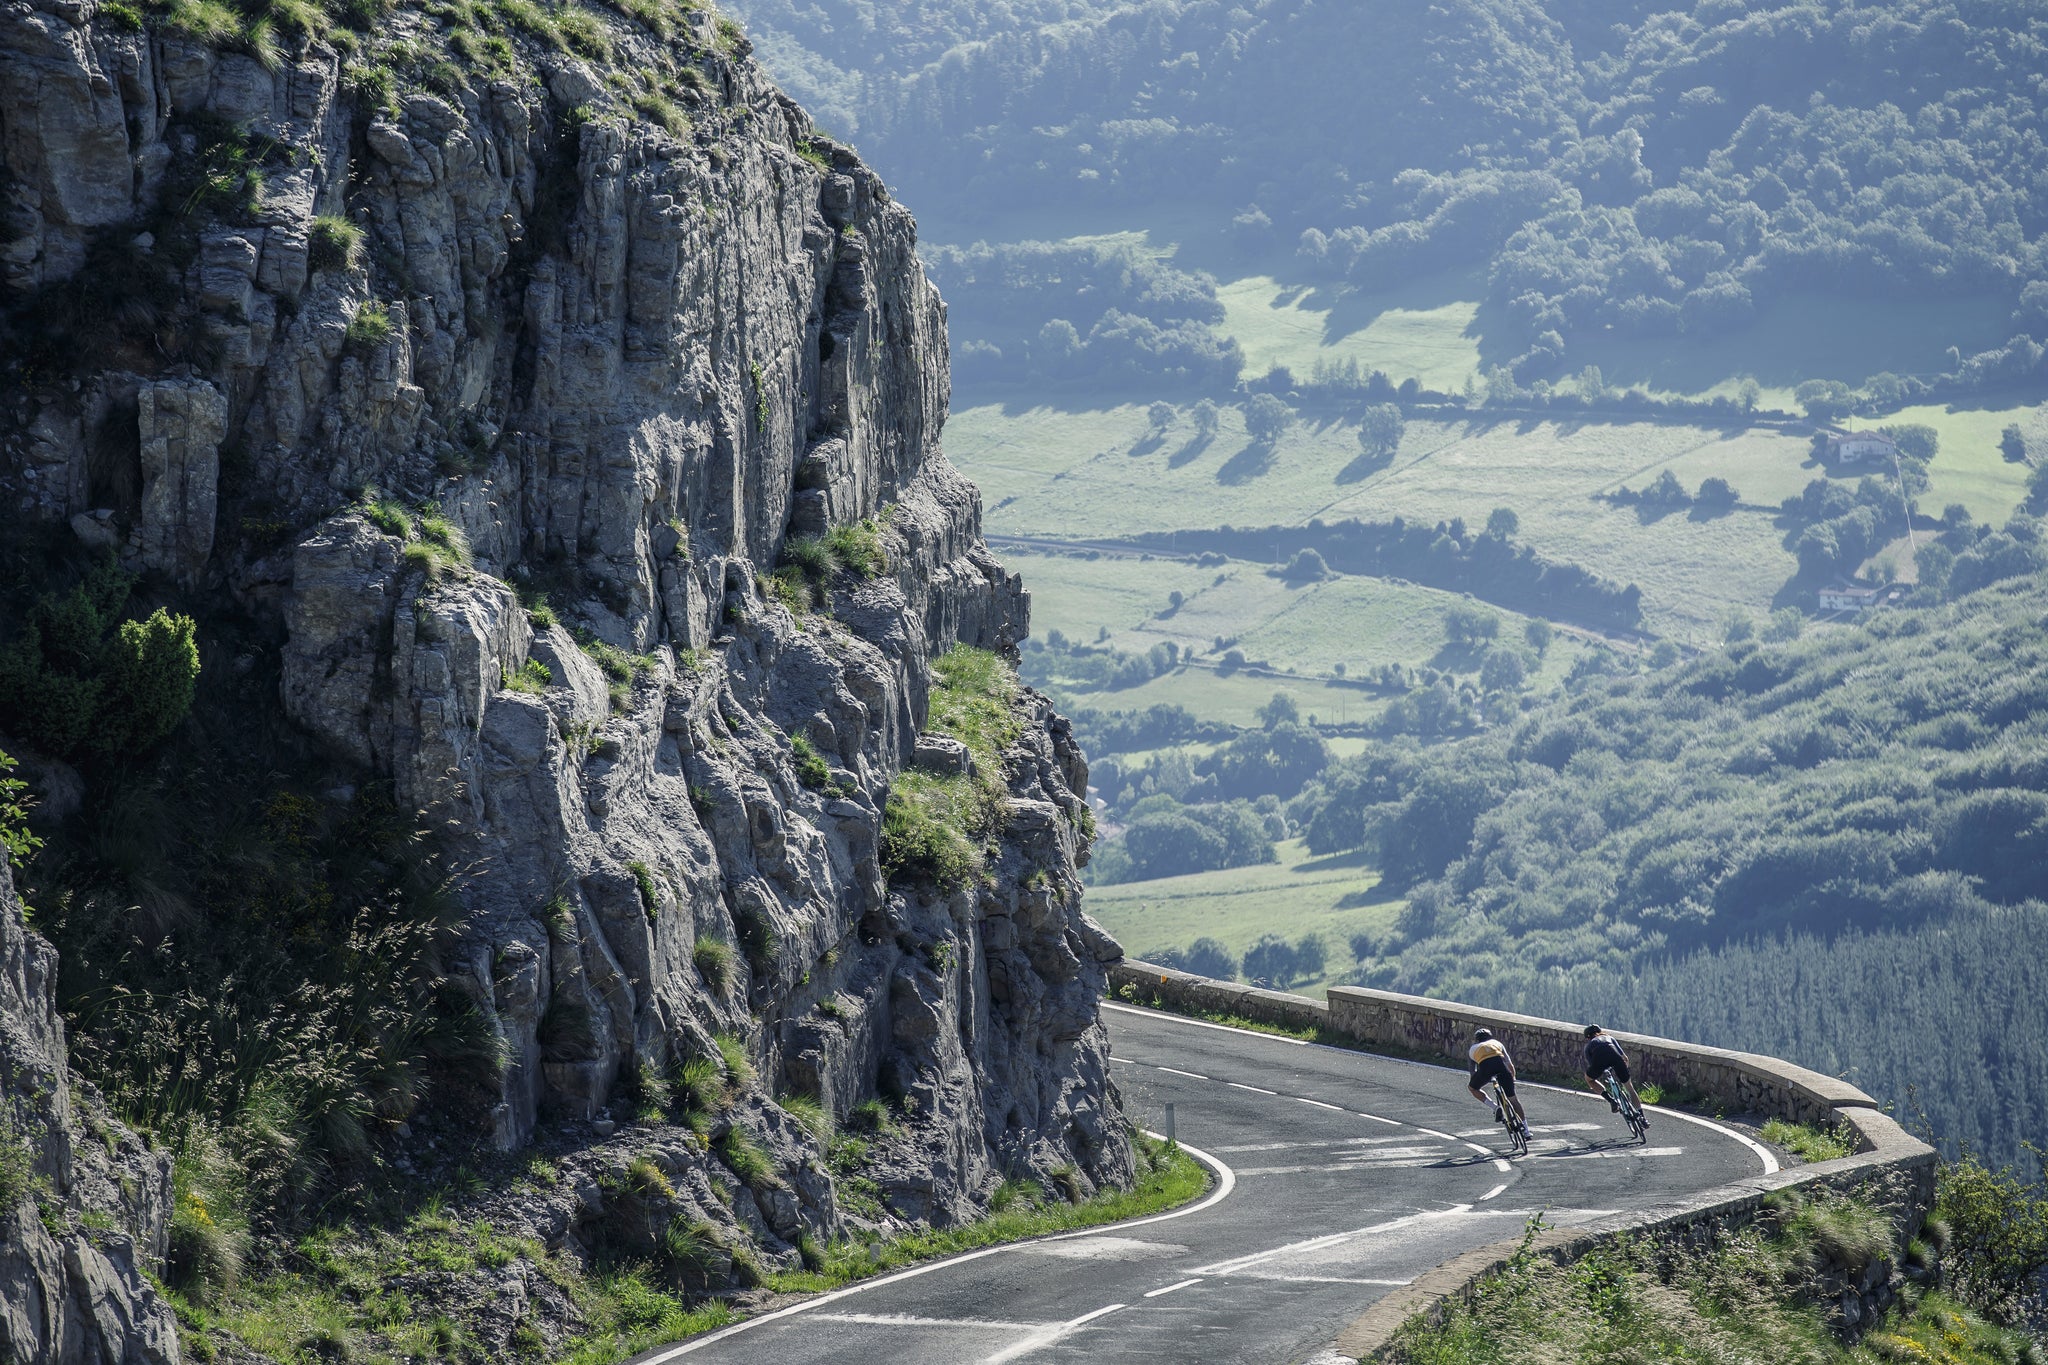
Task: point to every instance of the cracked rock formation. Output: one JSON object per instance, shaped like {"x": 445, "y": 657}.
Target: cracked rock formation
{"x": 71, "y": 1290}
{"x": 491, "y": 340}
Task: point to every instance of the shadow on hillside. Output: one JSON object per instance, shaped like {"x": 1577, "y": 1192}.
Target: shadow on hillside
{"x": 1364, "y": 467}
{"x": 1248, "y": 464}
{"x": 1190, "y": 451}
{"x": 1146, "y": 444}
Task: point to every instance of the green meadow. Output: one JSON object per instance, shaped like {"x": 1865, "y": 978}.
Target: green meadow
{"x": 1335, "y": 897}
{"x": 1103, "y": 475}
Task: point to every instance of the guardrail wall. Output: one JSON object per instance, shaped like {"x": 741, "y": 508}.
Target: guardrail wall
{"x": 1890, "y": 1166}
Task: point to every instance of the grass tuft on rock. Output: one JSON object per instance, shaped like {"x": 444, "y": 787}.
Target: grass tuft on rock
{"x": 936, "y": 828}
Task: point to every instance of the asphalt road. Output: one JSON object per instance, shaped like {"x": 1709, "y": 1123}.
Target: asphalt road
{"x": 1344, "y": 1175}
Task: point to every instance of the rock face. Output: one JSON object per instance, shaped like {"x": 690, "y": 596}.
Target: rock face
{"x": 69, "y": 1292}
{"x": 577, "y": 355}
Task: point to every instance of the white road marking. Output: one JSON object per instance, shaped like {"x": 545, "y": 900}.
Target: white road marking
{"x": 1770, "y": 1161}
{"x": 1200, "y": 1023}
{"x": 1393, "y": 1164}
{"x": 1226, "y": 1182}
{"x": 1536, "y": 1128}
{"x": 1326, "y": 1279}
{"x": 1333, "y": 1108}
{"x": 1497, "y": 1189}
{"x": 1178, "y": 1072}
{"x": 1304, "y": 1146}
{"x": 1254, "y": 1089}
{"x": 1155, "y": 1293}
{"x": 907, "y": 1320}
{"x": 1503, "y": 1165}
{"x": 1376, "y": 1118}
{"x": 1615, "y": 1152}
{"x": 1046, "y": 1336}
{"x": 1123, "y": 1061}
{"x": 1434, "y": 1133}
{"x": 1240, "y": 1263}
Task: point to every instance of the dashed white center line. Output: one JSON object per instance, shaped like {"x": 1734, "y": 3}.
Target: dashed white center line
{"x": 1155, "y": 1293}
{"x": 1396, "y": 1123}
{"x": 1174, "y": 1070}
{"x": 1333, "y": 1108}
{"x": 1254, "y": 1089}
{"x": 1502, "y": 1165}
{"x": 1123, "y": 1061}
{"x": 1497, "y": 1189}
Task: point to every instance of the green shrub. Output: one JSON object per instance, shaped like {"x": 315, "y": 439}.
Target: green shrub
{"x": 1807, "y": 1142}
{"x": 811, "y": 769}
{"x": 739, "y": 1068}
{"x": 370, "y": 328}
{"x": 17, "y": 1166}
{"x": 16, "y": 840}
{"x": 714, "y": 962}
{"x": 693, "y": 1248}
{"x": 650, "y": 899}
{"x": 789, "y": 587}
{"x": 333, "y": 242}
{"x": 533, "y": 677}
{"x": 810, "y": 1115}
{"x": 700, "y": 1086}
{"x": 1996, "y": 1242}
{"x": 78, "y": 679}
{"x": 858, "y": 547}
{"x": 744, "y": 1156}
{"x": 924, "y": 831}
{"x": 584, "y": 32}
{"x": 124, "y": 18}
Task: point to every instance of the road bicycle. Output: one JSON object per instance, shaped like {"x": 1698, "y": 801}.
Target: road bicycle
{"x": 1631, "y": 1112}
{"x": 1518, "y": 1128}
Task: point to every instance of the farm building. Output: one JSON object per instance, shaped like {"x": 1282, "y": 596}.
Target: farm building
{"x": 1846, "y": 448}
{"x": 1853, "y": 597}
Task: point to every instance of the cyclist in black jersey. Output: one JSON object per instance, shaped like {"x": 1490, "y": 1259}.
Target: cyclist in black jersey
{"x": 1604, "y": 1054}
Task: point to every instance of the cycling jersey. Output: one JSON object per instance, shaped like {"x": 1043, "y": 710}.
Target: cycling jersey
{"x": 1490, "y": 1063}
{"x": 1604, "y": 1054}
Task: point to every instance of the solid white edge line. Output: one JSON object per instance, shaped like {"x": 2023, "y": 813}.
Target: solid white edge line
{"x": 1333, "y": 1108}
{"x": 1492, "y": 1192}
{"x": 1090, "y": 1317}
{"x": 1204, "y": 1023}
{"x": 1237, "y": 1085}
{"x": 1226, "y": 1181}
{"x": 1393, "y": 1123}
{"x": 1155, "y": 1293}
{"x": 1176, "y": 1071}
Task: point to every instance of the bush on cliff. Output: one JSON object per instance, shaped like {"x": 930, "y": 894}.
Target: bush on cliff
{"x": 935, "y": 828}
{"x": 77, "y": 679}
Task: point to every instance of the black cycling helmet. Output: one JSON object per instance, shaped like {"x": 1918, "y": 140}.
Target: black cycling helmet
{"x": 1592, "y": 1030}
{"x": 1482, "y": 1035}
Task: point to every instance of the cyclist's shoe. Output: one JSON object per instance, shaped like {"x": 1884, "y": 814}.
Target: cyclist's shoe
{"x": 1499, "y": 1115}
{"x": 1613, "y": 1108}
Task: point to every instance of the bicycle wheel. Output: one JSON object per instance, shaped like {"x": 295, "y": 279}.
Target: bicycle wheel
{"x": 1638, "y": 1125}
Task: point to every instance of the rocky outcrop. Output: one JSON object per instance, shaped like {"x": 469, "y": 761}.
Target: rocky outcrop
{"x": 83, "y": 1204}
{"x": 495, "y": 404}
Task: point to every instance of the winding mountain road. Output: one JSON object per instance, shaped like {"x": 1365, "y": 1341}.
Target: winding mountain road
{"x": 1341, "y": 1176}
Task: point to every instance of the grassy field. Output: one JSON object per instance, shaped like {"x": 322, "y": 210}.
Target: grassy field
{"x": 1276, "y": 324}
{"x": 1970, "y": 468}
{"x": 1358, "y": 622}
{"x": 1074, "y": 474}
{"x": 1335, "y": 897}
{"x": 1233, "y": 698}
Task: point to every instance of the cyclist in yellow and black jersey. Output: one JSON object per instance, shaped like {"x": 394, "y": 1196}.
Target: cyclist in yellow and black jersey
{"x": 1490, "y": 1062}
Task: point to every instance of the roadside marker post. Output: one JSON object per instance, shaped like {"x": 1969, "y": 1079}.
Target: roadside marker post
{"x": 1169, "y": 1123}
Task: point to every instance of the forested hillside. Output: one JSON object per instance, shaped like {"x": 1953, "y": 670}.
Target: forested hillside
{"x": 1610, "y": 171}
{"x": 1835, "y": 847}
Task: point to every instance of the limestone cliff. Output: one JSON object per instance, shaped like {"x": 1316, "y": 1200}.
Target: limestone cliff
{"x": 83, "y": 1204}
{"x": 378, "y": 351}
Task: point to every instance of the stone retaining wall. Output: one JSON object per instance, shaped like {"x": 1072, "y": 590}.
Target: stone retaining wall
{"x": 1890, "y": 1166}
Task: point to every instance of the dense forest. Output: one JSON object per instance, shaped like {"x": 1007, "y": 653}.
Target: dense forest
{"x": 1614, "y": 168}
{"x": 1640, "y": 846}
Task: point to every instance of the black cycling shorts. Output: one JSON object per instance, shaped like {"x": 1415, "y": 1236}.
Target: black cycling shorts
{"x": 1620, "y": 1070}
{"x": 1494, "y": 1069}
